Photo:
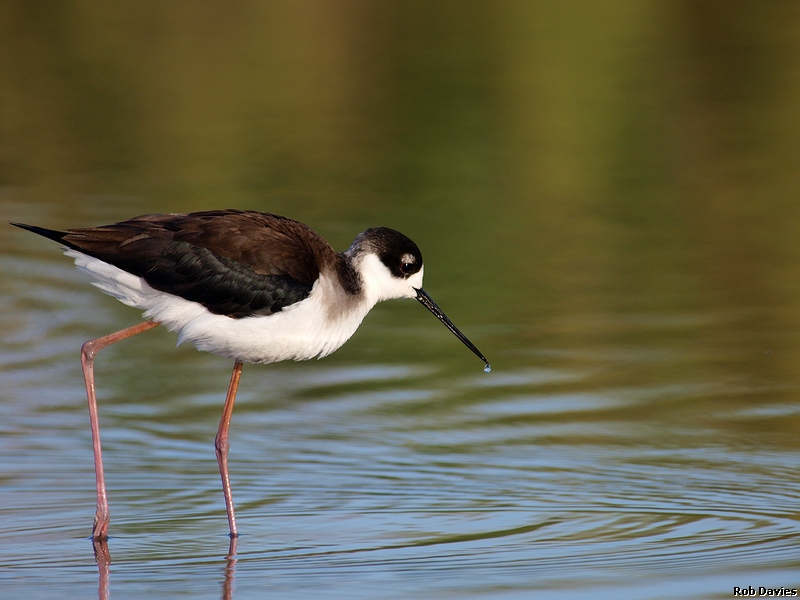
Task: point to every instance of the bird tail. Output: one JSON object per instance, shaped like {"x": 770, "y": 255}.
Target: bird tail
{"x": 52, "y": 234}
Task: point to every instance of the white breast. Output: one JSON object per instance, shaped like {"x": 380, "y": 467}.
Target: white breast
{"x": 311, "y": 328}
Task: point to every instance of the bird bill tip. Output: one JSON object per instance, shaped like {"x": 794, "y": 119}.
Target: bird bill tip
{"x": 428, "y": 303}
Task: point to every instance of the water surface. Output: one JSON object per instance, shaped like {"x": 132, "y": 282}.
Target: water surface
{"x": 606, "y": 200}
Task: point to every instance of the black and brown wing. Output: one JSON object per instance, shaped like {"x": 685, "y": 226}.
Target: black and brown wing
{"x": 236, "y": 263}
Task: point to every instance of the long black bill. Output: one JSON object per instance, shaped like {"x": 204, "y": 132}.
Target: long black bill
{"x": 426, "y": 301}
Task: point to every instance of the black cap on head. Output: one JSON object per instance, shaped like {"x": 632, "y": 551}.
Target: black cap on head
{"x": 395, "y": 250}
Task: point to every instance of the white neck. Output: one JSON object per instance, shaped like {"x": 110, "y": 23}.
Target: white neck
{"x": 378, "y": 283}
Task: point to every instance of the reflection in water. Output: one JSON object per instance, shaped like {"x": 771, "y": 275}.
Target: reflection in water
{"x": 102, "y": 557}
{"x": 230, "y": 570}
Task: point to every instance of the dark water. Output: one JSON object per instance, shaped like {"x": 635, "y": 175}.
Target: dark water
{"x": 608, "y": 201}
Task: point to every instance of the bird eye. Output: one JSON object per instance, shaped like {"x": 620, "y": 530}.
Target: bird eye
{"x": 408, "y": 264}
{"x": 406, "y": 267}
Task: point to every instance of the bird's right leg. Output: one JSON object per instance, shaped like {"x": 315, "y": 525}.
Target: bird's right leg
{"x": 88, "y": 352}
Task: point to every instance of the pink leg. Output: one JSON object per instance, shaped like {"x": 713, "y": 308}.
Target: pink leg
{"x": 222, "y": 445}
{"x": 88, "y": 352}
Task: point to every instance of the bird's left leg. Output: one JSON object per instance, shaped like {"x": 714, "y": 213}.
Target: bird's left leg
{"x": 222, "y": 445}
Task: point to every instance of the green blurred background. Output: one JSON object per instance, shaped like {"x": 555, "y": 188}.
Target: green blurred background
{"x": 550, "y": 158}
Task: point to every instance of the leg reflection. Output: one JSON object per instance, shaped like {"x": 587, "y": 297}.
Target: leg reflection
{"x": 230, "y": 570}
{"x": 103, "y": 559}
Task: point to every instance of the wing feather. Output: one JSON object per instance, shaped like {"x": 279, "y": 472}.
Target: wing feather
{"x": 236, "y": 263}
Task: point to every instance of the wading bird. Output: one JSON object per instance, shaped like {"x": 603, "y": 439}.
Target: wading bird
{"x": 253, "y": 287}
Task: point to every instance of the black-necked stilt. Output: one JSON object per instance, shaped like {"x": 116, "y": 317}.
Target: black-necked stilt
{"x": 251, "y": 286}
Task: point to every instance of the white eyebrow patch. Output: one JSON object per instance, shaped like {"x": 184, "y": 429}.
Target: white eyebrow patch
{"x": 408, "y": 258}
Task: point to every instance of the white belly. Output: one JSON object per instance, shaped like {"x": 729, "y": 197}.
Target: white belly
{"x": 302, "y": 331}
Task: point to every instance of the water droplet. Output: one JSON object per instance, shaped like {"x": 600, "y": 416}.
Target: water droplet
{"x": 487, "y": 368}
